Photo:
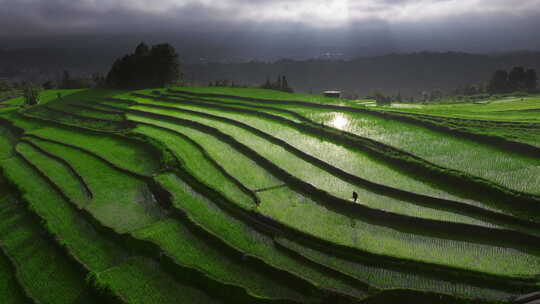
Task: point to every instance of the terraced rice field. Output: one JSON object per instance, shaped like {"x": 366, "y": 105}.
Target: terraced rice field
{"x": 219, "y": 195}
{"x": 518, "y": 172}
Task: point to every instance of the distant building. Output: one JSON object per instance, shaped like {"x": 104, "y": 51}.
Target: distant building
{"x": 335, "y": 94}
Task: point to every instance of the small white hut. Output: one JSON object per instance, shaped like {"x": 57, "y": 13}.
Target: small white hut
{"x": 335, "y": 94}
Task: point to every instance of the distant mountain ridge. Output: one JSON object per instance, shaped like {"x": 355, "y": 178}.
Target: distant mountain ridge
{"x": 408, "y": 73}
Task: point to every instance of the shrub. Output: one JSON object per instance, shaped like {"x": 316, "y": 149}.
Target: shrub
{"x": 31, "y": 95}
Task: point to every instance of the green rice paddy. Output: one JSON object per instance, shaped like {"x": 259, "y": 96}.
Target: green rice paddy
{"x": 512, "y": 170}
{"x": 229, "y": 195}
{"x": 311, "y": 173}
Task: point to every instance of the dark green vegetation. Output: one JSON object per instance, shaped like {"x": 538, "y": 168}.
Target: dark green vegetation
{"x": 519, "y": 79}
{"x": 225, "y": 195}
{"x": 391, "y": 74}
{"x": 145, "y": 68}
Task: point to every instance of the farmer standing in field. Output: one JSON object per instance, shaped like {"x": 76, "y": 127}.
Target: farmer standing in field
{"x": 354, "y": 196}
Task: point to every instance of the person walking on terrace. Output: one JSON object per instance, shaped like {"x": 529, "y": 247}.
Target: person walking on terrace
{"x": 354, "y": 196}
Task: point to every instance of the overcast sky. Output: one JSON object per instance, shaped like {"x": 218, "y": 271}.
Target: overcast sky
{"x": 282, "y": 27}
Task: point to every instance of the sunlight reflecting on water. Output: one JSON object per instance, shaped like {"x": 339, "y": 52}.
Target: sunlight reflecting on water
{"x": 339, "y": 121}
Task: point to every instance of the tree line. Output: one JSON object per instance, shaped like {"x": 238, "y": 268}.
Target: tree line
{"x": 518, "y": 79}
{"x": 281, "y": 84}
{"x": 147, "y": 67}
{"x": 226, "y": 83}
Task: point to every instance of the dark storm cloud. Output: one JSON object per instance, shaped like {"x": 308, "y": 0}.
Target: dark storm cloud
{"x": 285, "y": 25}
